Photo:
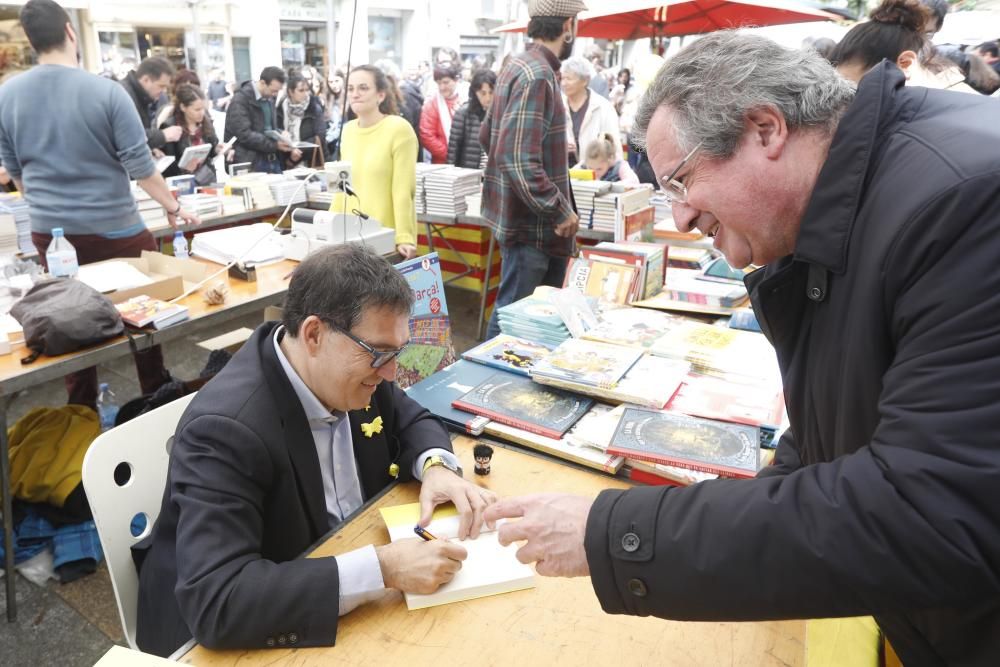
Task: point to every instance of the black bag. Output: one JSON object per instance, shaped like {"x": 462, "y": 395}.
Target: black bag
{"x": 62, "y": 315}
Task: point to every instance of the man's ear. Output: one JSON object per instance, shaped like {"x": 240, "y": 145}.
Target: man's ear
{"x": 768, "y": 130}
{"x": 905, "y": 61}
{"x": 311, "y": 333}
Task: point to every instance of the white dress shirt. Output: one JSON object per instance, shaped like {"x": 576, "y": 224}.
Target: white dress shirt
{"x": 359, "y": 570}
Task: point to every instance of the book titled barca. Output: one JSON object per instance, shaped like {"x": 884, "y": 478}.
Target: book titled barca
{"x": 728, "y": 450}
{"x": 517, "y": 401}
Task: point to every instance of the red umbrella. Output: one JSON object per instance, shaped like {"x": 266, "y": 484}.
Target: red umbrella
{"x": 635, "y": 19}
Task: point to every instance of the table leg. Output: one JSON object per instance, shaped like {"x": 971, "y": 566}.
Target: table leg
{"x": 486, "y": 286}
{"x": 8, "y": 514}
{"x": 430, "y": 237}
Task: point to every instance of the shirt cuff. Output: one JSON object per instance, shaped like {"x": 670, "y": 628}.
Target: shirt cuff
{"x": 418, "y": 465}
{"x": 360, "y": 578}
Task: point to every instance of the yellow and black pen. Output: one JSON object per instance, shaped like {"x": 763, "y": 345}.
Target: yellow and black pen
{"x": 423, "y": 533}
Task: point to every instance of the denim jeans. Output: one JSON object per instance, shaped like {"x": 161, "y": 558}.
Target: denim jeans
{"x": 522, "y": 269}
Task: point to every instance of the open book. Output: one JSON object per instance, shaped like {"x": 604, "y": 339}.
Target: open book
{"x": 192, "y": 155}
{"x": 278, "y": 136}
{"x": 490, "y": 569}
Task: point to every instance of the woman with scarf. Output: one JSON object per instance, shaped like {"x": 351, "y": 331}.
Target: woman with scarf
{"x": 300, "y": 114}
{"x": 435, "y": 121}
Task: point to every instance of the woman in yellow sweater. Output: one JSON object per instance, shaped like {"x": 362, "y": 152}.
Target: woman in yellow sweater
{"x": 380, "y": 146}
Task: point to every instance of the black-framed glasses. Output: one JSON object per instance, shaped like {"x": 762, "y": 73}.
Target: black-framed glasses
{"x": 676, "y": 191}
{"x": 379, "y": 357}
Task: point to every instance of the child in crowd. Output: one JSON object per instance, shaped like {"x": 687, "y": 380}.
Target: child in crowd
{"x": 601, "y": 157}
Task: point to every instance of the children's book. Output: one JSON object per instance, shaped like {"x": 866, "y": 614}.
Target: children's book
{"x": 437, "y": 392}
{"x": 431, "y": 347}
{"x": 587, "y": 362}
{"x": 510, "y": 353}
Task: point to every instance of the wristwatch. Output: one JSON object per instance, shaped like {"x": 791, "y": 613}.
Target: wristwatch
{"x": 438, "y": 460}
{"x": 175, "y": 211}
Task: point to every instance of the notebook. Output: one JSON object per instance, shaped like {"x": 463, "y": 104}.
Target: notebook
{"x": 490, "y": 568}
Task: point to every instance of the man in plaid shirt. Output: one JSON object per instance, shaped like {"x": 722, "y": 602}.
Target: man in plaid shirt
{"x": 527, "y": 200}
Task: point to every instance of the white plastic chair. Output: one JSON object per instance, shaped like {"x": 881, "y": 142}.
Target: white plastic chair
{"x": 140, "y": 447}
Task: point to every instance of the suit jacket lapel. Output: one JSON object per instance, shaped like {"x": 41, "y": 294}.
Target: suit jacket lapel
{"x": 376, "y": 453}
{"x": 298, "y": 437}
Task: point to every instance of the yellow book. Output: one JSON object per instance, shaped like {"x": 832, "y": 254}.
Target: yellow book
{"x": 490, "y": 568}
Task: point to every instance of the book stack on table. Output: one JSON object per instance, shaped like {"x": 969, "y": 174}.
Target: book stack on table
{"x": 533, "y": 318}
{"x": 423, "y": 170}
{"x": 445, "y": 190}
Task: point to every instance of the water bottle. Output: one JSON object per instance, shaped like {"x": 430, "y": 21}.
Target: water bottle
{"x": 180, "y": 245}
{"x": 107, "y": 407}
{"x": 61, "y": 256}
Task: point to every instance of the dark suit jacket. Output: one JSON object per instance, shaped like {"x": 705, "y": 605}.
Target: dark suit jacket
{"x": 244, "y": 499}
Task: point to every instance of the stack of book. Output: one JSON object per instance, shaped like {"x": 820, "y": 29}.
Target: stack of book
{"x": 15, "y": 205}
{"x": 585, "y": 192}
{"x": 8, "y": 234}
{"x": 649, "y": 259}
{"x": 535, "y": 319}
{"x": 636, "y": 226}
{"x": 420, "y": 197}
{"x": 232, "y": 205}
{"x": 611, "y": 209}
{"x": 287, "y": 191}
{"x": 688, "y": 286}
{"x": 688, "y": 258}
{"x": 204, "y": 205}
{"x": 152, "y": 214}
{"x": 254, "y": 190}
{"x": 445, "y": 189}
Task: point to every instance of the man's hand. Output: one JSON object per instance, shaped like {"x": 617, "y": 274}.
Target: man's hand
{"x": 552, "y": 525}
{"x": 568, "y": 227}
{"x": 284, "y": 146}
{"x": 172, "y": 133}
{"x": 441, "y": 485}
{"x": 296, "y": 155}
{"x": 406, "y": 250}
{"x": 416, "y": 566}
{"x": 184, "y": 215}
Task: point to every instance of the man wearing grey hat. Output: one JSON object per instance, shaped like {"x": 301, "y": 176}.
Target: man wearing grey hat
{"x": 527, "y": 200}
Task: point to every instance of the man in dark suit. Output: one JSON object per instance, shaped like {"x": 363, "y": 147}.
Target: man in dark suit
{"x": 288, "y": 441}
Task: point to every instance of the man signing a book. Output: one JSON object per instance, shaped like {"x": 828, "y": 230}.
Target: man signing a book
{"x": 874, "y": 213}
{"x": 287, "y": 442}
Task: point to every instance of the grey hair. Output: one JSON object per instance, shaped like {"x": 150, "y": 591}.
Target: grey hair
{"x": 581, "y": 67}
{"x": 715, "y": 82}
{"x": 336, "y": 283}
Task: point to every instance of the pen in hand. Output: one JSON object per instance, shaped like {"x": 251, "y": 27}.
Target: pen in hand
{"x": 423, "y": 533}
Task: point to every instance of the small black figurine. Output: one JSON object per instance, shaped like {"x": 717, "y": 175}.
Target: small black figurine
{"x": 482, "y": 454}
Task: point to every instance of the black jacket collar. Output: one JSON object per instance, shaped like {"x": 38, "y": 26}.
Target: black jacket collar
{"x": 140, "y": 93}
{"x": 829, "y": 217}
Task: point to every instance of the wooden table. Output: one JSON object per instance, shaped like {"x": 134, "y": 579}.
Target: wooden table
{"x": 558, "y": 623}
{"x": 244, "y": 298}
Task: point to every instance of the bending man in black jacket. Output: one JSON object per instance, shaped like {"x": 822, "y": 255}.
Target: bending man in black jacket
{"x": 301, "y": 428}
{"x": 145, "y": 85}
{"x": 875, "y": 216}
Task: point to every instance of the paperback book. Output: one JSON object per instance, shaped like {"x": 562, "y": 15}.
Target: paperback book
{"x": 437, "y": 392}
{"x": 517, "y": 401}
{"x": 144, "y": 311}
{"x": 431, "y": 347}
{"x": 728, "y": 450}
{"x": 587, "y": 362}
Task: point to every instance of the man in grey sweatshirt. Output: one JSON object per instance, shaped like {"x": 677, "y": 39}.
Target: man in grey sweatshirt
{"x": 73, "y": 165}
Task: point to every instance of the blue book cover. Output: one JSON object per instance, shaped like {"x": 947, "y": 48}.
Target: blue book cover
{"x": 431, "y": 347}
{"x": 533, "y": 310}
{"x": 437, "y": 392}
{"x": 509, "y": 353}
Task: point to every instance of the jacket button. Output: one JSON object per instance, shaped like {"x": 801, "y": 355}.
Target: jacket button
{"x": 815, "y": 293}
{"x": 637, "y": 588}
{"x": 293, "y": 638}
{"x": 282, "y": 640}
{"x": 630, "y": 542}
{"x": 270, "y": 642}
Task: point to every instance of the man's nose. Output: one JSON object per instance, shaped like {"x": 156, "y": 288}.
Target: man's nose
{"x": 388, "y": 371}
{"x": 685, "y": 216}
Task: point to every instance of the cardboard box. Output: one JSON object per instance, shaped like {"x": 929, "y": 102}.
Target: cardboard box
{"x": 171, "y": 276}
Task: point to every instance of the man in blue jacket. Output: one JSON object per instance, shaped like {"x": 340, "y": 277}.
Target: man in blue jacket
{"x": 874, "y": 216}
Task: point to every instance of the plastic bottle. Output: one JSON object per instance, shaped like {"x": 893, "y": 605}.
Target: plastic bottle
{"x": 180, "y": 245}
{"x": 61, "y": 256}
{"x": 107, "y": 407}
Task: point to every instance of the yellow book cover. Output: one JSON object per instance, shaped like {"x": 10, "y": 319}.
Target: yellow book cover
{"x": 490, "y": 568}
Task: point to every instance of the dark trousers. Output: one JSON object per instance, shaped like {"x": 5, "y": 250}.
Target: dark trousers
{"x": 522, "y": 269}
{"x": 82, "y": 385}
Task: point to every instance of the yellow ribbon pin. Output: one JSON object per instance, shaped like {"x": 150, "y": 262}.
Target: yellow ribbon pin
{"x": 374, "y": 427}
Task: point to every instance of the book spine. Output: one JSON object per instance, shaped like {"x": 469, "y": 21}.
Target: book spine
{"x": 649, "y": 479}
{"x": 505, "y": 419}
{"x": 722, "y": 471}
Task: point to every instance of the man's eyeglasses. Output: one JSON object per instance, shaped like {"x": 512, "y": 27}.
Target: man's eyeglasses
{"x": 379, "y": 357}
{"x": 677, "y": 192}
